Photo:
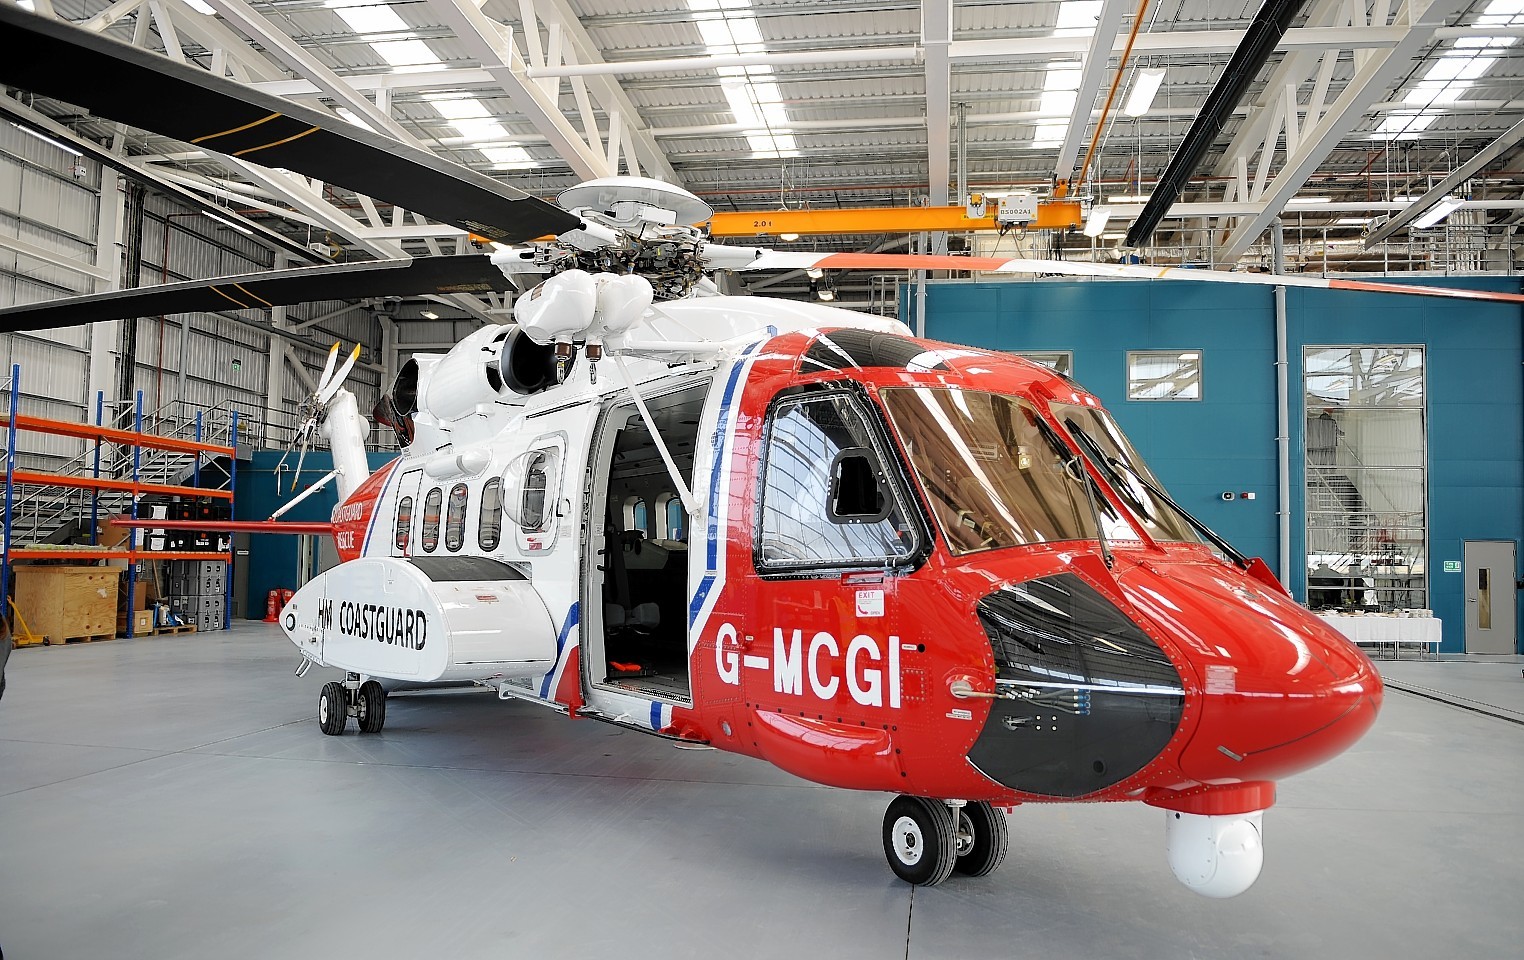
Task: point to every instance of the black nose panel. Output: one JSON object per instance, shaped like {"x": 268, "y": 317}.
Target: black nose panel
{"x": 1093, "y": 698}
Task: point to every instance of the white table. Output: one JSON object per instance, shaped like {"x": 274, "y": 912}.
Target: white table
{"x": 1378, "y": 631}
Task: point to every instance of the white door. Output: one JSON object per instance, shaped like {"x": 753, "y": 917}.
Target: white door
{"x": 1491, "y": 599}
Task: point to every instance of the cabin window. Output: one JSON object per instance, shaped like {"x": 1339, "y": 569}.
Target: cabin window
{"x": 455, "y": 518}
{"x": 404, "y": 523}
{"x": 827, "y": 499}
{"x": 534, "y": 513}
{"x": 431, "y": 505}
{"x": 1059, "y": 361}
{"x": 1164, "y": 375}
{"x": 489, "y": 523}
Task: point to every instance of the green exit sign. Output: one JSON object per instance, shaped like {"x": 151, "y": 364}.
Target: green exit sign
{"x": 1452, "y": 566}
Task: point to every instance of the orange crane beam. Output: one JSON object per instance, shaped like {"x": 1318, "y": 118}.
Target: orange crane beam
{"x": 1051, "y": 215}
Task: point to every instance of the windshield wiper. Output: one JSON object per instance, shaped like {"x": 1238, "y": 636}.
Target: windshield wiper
{"x": 1075, "y": 464}
{"x": 1158, "y": 493}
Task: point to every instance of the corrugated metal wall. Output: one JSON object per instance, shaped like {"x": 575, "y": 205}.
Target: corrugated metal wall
{"x": 43, "y": 203}
{"x": 220, "y": 363}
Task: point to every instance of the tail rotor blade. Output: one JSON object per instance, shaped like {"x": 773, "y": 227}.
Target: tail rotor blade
{"x": 327, "y": 388}
{"x": 333, "y": 358}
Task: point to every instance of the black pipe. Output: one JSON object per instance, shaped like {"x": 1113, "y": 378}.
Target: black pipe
{"x": 1264, "y": 34}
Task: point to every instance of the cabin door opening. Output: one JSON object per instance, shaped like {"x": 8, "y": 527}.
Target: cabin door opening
{"x": 637, "y": 637}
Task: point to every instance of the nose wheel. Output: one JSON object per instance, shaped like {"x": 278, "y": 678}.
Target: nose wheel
{"x": 926, "y": 840}
{"x": 337, "y": 702}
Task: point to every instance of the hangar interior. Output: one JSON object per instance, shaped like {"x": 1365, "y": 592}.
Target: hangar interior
{"x": 168, "y": 790}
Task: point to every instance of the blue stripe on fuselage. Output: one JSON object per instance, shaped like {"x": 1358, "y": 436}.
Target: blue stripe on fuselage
{"x": 566, "y": 628}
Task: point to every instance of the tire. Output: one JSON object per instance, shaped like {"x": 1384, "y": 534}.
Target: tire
{"x": 992, "y": 838}
{"x": 919, "y": 841}
{"x": 370, "y": 707}
{"x": 333, "y": 709}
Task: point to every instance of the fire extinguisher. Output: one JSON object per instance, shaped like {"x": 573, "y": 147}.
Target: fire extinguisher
{"x": 272, "y": 606}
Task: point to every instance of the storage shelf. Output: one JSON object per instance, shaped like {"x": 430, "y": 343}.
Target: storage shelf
{"x": 131, "y": 438}
{"x": 105, "y": 483}
{"x": 23, "y": 553}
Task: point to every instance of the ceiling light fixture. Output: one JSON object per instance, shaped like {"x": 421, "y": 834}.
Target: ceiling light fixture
{"x": 814, "y": 273}
{"x": 1096, "y": 225}
{"x": 1436, "y": 213}
{"x": 788, "y": 237}
{"x": 228, "y": 223}
{"x": 1145, "y": 86}
{"x": 428, "y": 315}
{"x": 47, "y": 139}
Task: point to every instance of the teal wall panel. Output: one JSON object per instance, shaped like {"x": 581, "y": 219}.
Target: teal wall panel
{"x": 1226, "y": 440}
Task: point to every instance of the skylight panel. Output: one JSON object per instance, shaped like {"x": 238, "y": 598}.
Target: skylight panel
{"x": 460, "y": 108}
{"x": 376, "y": 19}
{"x": 1403, "y": 126}
{"x": 1062, "y": 75}
{"x": 1504, "y": 8}
{"x": 405, "y": 53}
{"x": 1049, "y": 133}
{"x": 480, "y": 129}
{"x": 508, "y": 158}
{"x": 1076, "y": 18}
{"x": 1057, "y": 101}
{"x": 727, "y": 27}
{"x": 1427, "y": 92}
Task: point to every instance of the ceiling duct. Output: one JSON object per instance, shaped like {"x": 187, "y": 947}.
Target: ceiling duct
{"x": 1258, "y": 43}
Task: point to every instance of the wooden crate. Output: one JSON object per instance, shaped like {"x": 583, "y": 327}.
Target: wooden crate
{"x": 67, "y": 603}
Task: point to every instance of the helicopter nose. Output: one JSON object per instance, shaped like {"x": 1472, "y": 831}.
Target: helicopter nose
{"x": 1280, "y": 690}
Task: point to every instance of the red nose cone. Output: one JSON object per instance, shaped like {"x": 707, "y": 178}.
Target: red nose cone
{"x": 1278, "y": 691}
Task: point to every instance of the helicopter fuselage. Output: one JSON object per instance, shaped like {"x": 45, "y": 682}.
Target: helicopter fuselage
{"x": 897, "y": 565}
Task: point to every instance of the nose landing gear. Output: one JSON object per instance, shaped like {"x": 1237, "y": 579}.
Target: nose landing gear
{"x": 337, "y": 702}
{"x": 926, "y": 840}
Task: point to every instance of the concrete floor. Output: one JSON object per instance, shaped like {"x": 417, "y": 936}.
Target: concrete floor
{"x": 172, "y": 798}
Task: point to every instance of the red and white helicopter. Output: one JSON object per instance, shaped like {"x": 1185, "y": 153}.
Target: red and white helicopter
{"x": 776, "y": 528}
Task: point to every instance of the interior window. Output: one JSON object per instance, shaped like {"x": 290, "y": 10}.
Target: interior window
{"x": 455, "y": 519}
{"x": 826, "y": 498}
{"x": 404, "y": 522}
{"x": 489, "y": 523}
{"x": 431, "y": 505}
{"x": 677, "y": 520}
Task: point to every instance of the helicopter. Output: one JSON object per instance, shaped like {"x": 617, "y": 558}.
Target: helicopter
{"x": 774, "y": 528}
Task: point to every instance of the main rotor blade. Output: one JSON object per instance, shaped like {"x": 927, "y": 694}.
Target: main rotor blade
{"x": 142, "y": 88}
{"x": 787, "y": 260}
{"x": 13, "y": 111}
{"x": 465, "y": 273}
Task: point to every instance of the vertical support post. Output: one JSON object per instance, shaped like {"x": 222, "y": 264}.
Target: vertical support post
{"x": 10, "y": 494}
{"x": 196, "y": 465}
{"x": 227, "y": 576}
{"x": 1282, "y": 407}
{"x": 95, "y": 492}
{"x": 132, "y": 536}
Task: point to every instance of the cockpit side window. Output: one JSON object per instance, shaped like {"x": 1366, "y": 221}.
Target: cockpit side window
{"x": 827, "y": 498}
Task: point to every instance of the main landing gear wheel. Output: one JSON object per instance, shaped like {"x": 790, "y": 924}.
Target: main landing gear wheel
{"x": 370, "y": 707}
{"x": 333, "y": 708}
{"x": 988, "y": 839}
{"x": 919, "y": 840}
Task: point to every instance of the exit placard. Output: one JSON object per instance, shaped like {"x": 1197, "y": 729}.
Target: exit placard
{"x": 1452, "y": 566}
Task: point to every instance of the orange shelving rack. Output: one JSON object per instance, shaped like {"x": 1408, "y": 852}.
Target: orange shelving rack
{"x": 137, "y": 440}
